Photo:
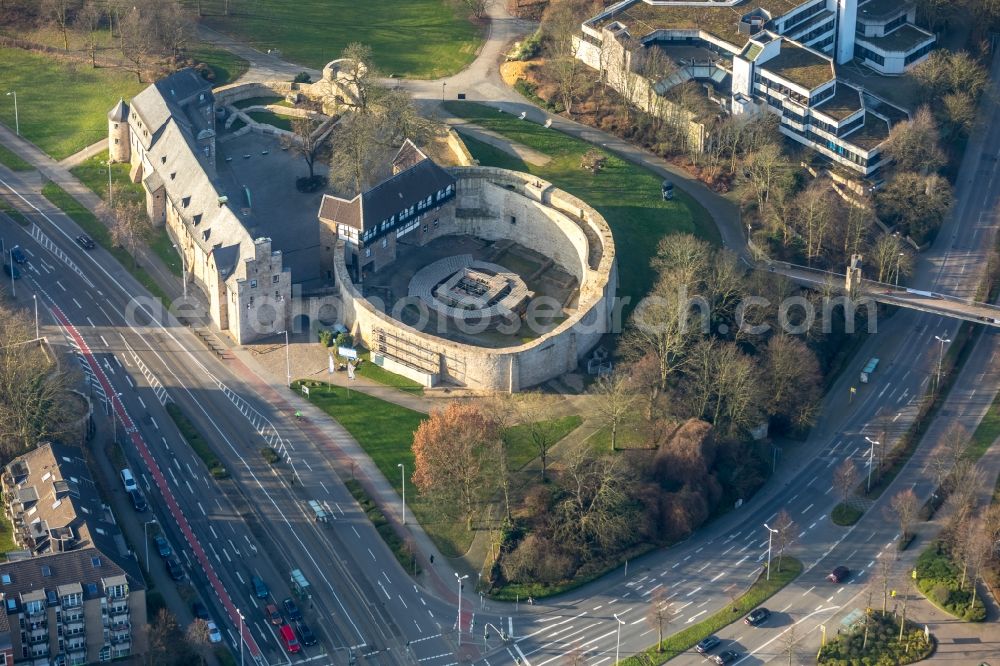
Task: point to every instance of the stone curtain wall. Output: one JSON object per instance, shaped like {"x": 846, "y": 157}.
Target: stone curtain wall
{"x": 546, "y": 225}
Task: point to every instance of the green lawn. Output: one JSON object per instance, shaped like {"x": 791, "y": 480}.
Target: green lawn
{"x": 987, "y": 431}
{"x": 628, "y": 196}
{"x": 520, "y": 449}
{"x": 257, "y": 101}
{"x": 415, "y": 39}
{"x": 759, "y": 592}
{"x": 62, "y": 109}
{"x": 13, "y": 213}
{"x": 194, "y": 439}
{"x": 6, "y": 537}
{"x": 13, "y": 161}
{"x": 226, "y": 66}
{"x": 273, "y": 119}
{"x": 96, "y": 230}
{"x": 379, "y": 374}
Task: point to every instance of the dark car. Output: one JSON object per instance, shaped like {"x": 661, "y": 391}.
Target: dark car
{"x": 273, "y": 615}
{"x": 291, "y": 609}
{"x": 175, "y": 569}
{"x": 86, "y": 242}
{"x": 163, "y": 546}
{"x": 839, "y": 575}
{"x": 138, "y": 501}
{"x": 707, "y": 644}
{"x": 259, "y": 587}
{"x": 17, "y": 254}
{"x": 12, "y": 271}
{"x": 199, "y": 610}
{"x": 306, "y": 636}
{"x": 757, "y": 616}
{"x": 726, "y": 657}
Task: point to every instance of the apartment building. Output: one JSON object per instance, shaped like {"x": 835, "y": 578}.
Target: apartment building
{"x": 779, "y": 56}
{"x": 74, "y": 594}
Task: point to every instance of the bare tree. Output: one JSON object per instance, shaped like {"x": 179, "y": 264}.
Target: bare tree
{"x": 658, "y": 616}
{"x": 813, "y": 217}
{"x": 130, "y": 228}
{"x": 306, "y": 142}
{"x": 560, "y": 24}
{"x": 198, "y": 638}
{"x": 60, "y": 14}
{"x": 905, "y": 505}
{"x": 891, "y": 258}
{"x": 361, "y": 75}
{"x": 784, "y": 535}
{"x": 761, "y": 167}
{"x": 885, "y": 577}
{"x": 534, "y": 411}
{"x": 913, "y": 144}
{"x": 499, "y": 410}
{"x": 845, "y": 479}
{"x": 479, "y": 8}
{"x": 792, "y": 375}
{"x": 137, "y": 42}
{"x": 356, "y": 156}
{"x": 88, "y": 21}
{"x": 615, "y": 402}
{"x": 791, "y": 644}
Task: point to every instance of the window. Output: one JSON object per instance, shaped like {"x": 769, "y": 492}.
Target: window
{"x": 250, "y": 304}
{"x": 435, "y": 223}
{"x": 368, "y": 252}
{"x": 385, "y": 242}
{"x": 163, "y": 159}
{"x": 116, "y": 142}
{"x": 253, "y": 284}
{"x": 513, "y": 220}
{"x": 277, "y": 294}
{"x": 275, "y": 278}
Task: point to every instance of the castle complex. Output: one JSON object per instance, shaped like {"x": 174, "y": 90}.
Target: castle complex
{"x": 780, "y": 56}
{"x": 167, "y": 135}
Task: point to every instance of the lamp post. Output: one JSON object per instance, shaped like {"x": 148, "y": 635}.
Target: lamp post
{"x": 110, "y": 195}
{"x": 460, "y": 579}
{"x": 899, "y": 258}
{"x": 145, "y": 533}
{"x": 871, "y": 460}
{"x": 240, "y": 613}
{"x": 114, "y": 419}
{"x": 180, "y": 251}
{"x": 443, "y": 84}
{"x": 17, "y": 121}
{"x": 937, "y": 384}
{"x": 13, "y": 267}
{"x": 288, "y": 364}
{"x": 618, "y": 638}
{"x": 770, "y": 532}
{"x": 34, "y": 297}
{"x": 402, "y": 474}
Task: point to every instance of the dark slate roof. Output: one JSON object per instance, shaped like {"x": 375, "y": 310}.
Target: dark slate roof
{"x": 89, "y": 568}
{"x": 119, "y": 114}
{"x": 341, "y": 211}
{"x": 226, "y": 258}
{"x": 403, "y": 190}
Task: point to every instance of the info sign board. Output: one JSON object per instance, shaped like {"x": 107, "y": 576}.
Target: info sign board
{"x": 347, "y": 352}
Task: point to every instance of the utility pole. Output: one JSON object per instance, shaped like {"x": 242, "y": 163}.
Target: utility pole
{"x": 871, "y": 460}
{"x": 17, "y": 121}
{"x": 937, "y": 384}
{"x": 770, "y": 532}
{"x": 460, "y": 579}
{"x": 402, "y": 473}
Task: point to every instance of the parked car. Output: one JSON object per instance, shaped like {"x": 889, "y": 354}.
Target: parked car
{"x": 86, "y": 242}
{"x": 288, "y": 639}
{"x": 162, "y": 546}
{"x": 707, "y": 644}
{"x": 260, "y": 587}
{"x": 291, "y": 609}
{"x": 305, "y": 633}
{"x": 175, "y": 569}
{"x": 214, "y": 634}
{"x": 138, "y": 501}
{"x": 17, "y": 254}
{"x": 273, "y": 615}
{"x": 757, "y": 616}
{"x": 128, "y": 480}
{"x": 839, "y": 575}
{"x": 726, "y": 657}
{"x": 12, "y": 271}
{"x": 199, "y": 610}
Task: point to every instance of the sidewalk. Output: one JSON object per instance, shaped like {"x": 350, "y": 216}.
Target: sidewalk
{"x": 82, "y": 156}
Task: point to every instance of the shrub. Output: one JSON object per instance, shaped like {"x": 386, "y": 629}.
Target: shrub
{"x": 325, "y": 337}
{"x": 302, "y": 77}
{"x": 845, "y": 514}
{"x": 940, "y": 593}
{"x": 344, "y": 340}
{"x": 270, "y": 455}
{"x": 527, "y": 48}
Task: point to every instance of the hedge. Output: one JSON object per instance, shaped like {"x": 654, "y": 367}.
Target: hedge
{"x": 940, "y": 580}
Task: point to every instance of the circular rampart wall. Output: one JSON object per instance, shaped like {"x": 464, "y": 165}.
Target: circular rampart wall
{"x": 496, "y": 204}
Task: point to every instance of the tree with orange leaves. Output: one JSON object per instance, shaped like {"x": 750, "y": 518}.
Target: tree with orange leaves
{"x": 449, "y": 449}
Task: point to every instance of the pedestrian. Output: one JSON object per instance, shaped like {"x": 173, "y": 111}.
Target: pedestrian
{"x": 432, "y": 558}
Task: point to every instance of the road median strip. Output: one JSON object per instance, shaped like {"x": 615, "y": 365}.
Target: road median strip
{"x": 760, "y": 591}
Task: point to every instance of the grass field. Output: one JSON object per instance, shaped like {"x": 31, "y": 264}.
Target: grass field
{"x": 226, "y": 66}
{"x": 416, "y": 39}
{"x": 6, "y": 537}
{"x": 627, "y": 196}
{"x": 62, "y": 108}
{"x": 379, "y": 374}
{"x": 273, "y": 119}
{"x": 13, "y": 213}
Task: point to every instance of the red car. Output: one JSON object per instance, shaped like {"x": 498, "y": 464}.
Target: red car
{"x": 839, "y": 575}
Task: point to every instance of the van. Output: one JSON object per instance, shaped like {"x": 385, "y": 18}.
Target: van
{"x": 128, "y": 480}
{"x": 288, "y": 638}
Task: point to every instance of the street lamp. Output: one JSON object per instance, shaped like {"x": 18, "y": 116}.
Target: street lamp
{"x": 898, "y": 259}
{"x": 443, "y": 84}
{"x": 871, "y": 458}
{"x": 110, "y": 195}
{"x": 180, "y": 251}
{"x": 13, "y": 267}
{"x": 145, "y": 533}
{"x": 937, "y": 384}
{"x": 17, "y": 122}
{"x": 770, "y": 532}
{"x": 460, "y": 579}
{"x": 242, "y": 641}
{"x": 402, "y": 474}
{"x": 288, "y": 366}
{"x": 114, "y": 420}
{"x": 34, "y": 297}
{"x": 618, "y": 638}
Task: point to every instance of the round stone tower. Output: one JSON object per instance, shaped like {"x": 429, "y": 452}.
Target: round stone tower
{"x": 119, "y": 148}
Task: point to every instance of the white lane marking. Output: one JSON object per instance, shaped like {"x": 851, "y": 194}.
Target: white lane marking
{"x": 693, "y": 591}
{"x": 806, "y": 510}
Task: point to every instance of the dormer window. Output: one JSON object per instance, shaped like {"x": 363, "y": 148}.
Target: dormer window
{"x": 163, "y": 159}
{"x": 197, "y": 219}
{"x": 206, "y": 233}
{"x": 173, "y": 175}
{"x": 185, "y": 201}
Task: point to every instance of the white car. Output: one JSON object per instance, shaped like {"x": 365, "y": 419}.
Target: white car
{"x": 214, "y": 634}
